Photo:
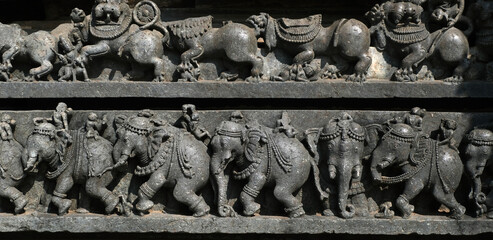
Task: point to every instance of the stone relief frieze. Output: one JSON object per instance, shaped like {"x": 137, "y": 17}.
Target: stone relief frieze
{"x": 400, "y": 40}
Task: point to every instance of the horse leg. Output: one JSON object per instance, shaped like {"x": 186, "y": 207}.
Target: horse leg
{"x": 64, "y": 183}
{"x": 448, "y": 199}
{"x": 284, "y": 193}
{"x": 8, "y": 55}
{"x": 148, "y": 189}
{"x": 189, "y": 73}
{"x": 96, "y": 187}
{"x": 16, "y": 196}
{"x": 184, "y": 193}
{"x": 411, "y": 189}
{"x": 45, "y": 68}
{"x": 250, "y": 191}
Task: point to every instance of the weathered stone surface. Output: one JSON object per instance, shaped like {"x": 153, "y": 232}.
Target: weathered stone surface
{"x": 213, "y": 89}
{"x": 158, "y": 223}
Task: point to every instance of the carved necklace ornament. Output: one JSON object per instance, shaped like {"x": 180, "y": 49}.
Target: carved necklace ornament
{"x": 407, "y": 34}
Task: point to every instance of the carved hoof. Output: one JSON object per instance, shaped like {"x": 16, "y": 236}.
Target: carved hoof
{"x": 297, "y": 213}
{"x": 20, "y": 203}
{"x": 251, "y": 209}
{"x": 454, "y": 79}
{"x": 458, "y": 213}
{"x": 144, "y": 205}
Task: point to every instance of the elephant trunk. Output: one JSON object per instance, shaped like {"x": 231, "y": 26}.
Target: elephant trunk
{"x": 220, "y": 185}
{"x": 29, "y": 160}
{"x": 344, "y": 180}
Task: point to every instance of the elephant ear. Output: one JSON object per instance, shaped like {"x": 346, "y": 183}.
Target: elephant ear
{"x": 310, "y": 140}
{"x": 374, "y": 132}
{"x": 270, "y": 32}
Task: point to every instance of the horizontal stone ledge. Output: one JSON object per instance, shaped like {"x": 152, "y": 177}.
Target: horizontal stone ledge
{"x": 266, "y": 90}
{"x": 163, "y": 223}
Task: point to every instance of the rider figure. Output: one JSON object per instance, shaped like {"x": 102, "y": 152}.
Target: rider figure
{"x": 6, "y": 127}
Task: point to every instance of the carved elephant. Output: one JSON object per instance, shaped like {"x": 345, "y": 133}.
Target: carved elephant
{"x": 86, "y": 161}
{"x": 196, "y": 38}
{"x": 425, "y": 164}
{"x": 343, "y": 144}
{"x": 37, "y": 47}
{"x": 172, "y": 158}
{"x": 263, "y": 158}
{"x": 400, "y": 29}
{"x": 478, "y": 153}
{"x": 113, "y": 28}
{"x": 346, "y": 41}
{"x": 11, "y": 170}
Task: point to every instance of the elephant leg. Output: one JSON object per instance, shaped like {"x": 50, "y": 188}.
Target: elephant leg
{"x": 293, "y": 207}
{"x": 411, "y": 189}
{"x": 96, "y": 187}
{"x": 16, "y": 196}
{"x": 148, "y": 189}
{"x": 64, "y": 183}
{"x": 250, "y": 192}
{"x": 184, "y": 193}
{"x": 448, "y": 199}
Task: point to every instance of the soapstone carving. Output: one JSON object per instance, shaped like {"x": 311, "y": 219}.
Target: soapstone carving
{"x": 167, "y": 157}
{"x": 481, "y": 13}
{"x": 263, "y": 157}
{"x": 11, "y": 164}
{"x": 346, "y": 41}
{"x": 408, "y": 32}
{"x": 39, "y": 47}
{"x": 425, "y": 163}
{"x": 342, "y": 144}
{"x": 478, "y": 154}
{"x": 190, "y": 121}
{"x": 74, "y": 157}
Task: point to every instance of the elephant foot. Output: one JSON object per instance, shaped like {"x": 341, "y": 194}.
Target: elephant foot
{"x": 405, "y": 75}
{"x": 62, "y": 204}
{"x": 403, "y": 205}
{"x": 111, "y": 201}
{"x": 200, "y": 209}
{"x": 144, "y": 205}
{"x": 20, "y": 203}
{"x": 458, "y": 213}
{"x": 328, "y": 213}
{"x": 251, "y": 209}
{"x": 295, "y": 212}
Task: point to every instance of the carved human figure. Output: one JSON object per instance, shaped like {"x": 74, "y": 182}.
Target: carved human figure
{"x": 11, "y": 165}
{"x": 400, "y": 29}
{"x": 190, "y": 121}
{"x": 342, "y": 144}
{"x": 478, "y": 154}
{"x": 169, "y": 156}
{"x": 86, "y": 160}
{"x": 262, "y": 157}
{"x": 425, "y": 163}
{"x": 346, "y": 41}
{"x": 38, "y": 47}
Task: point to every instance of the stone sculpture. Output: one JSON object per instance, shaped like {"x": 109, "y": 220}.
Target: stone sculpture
{"x": 74, "y": 157}
{"x": 478, "y": 154}
{"x": 170, "y": 157}
{"x": 345, "y": 41}
{"x": 11, "y": 165}
{"x": 425, "y": 163}
{"x": 39, "y": 47}
{"x": 263, "y": 157}
{"x": 114, "y": 29}
{"x": 480, "y": 12}
{"x": 342, "y": 143}
{"x": 408, "y": 33}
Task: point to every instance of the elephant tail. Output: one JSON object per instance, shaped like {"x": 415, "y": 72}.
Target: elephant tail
{"x": 316, "y": 177}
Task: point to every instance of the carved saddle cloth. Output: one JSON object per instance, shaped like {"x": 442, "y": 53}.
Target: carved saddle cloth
{"x": 72, "y": 152}
{"x": 191, "y": 27}
{"x": 170, "y": 151}
{"x": 299, "y": 30}
{"x": 407, "y": 34}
